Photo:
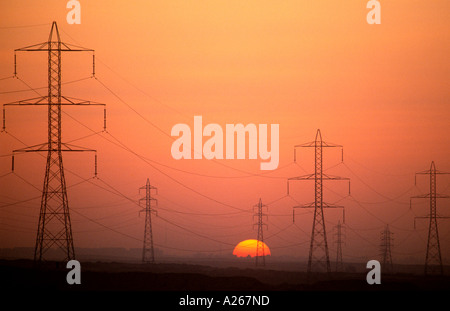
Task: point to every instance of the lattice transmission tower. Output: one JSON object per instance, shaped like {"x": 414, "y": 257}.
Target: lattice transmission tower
{"x": 260, "y": 248}
{"x": 433, "y": 259}
{"x": 339, "y": 234}
{"x": 319, "y": 259}
{"x": 385, "y": 249}
{"x": 148, "y": 253}
{"x": 54, "y": 227}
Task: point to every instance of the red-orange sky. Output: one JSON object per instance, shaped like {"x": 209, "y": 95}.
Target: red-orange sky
{"x": 381, "y": 91}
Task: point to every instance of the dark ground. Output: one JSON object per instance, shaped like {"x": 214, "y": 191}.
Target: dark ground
{"x": 110, "y": 276}
{"x": 167, "y": 283}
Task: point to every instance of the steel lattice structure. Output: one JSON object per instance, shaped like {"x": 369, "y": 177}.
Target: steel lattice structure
{"x": 319, "y": 259}
{"x": 385, "y": 249}
{"x": 148, "y": 253}
{"x": 433, "y": 259}
{"x": 54, "y": 227}
{"x": 339, "y": 242}
{"x": 260, "y": 248}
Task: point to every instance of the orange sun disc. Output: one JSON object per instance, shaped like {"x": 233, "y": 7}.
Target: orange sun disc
{"x": 249, "y": 248}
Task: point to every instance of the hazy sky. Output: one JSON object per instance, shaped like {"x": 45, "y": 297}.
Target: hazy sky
{"x": 381, "y": 91}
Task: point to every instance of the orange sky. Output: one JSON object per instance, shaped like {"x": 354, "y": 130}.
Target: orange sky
{"x": 381, "y": 91}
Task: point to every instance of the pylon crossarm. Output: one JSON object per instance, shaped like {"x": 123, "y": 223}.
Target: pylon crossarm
{"x": 43, "y": 101}
{"x": 443, "y": 217}
{"x": 426, "y": 196}
{"x": 434, "y": 172}
{"x": 333, "y": 177}
{"x": 34, "y": 47}
{"x": 75, "y": 148}
{"x": 421, "y": 196}
{"x": 44, "y": 147}
{"x": 303, "y": 177}
{"x": 310, "y": 144}
{"x": 442, "y": 173}
{"x": 75, "y": 48}
{"x": 309, "y": 205}
{"x": 28, "y": 102}
{"x": 34, "y": 148}
{"x": 442, "y": 196}
{"x": 80, "y": 102}
{"x": 327, "y": 205}
{"x": 44, "y": 46}
{"x": 313, "y": 144}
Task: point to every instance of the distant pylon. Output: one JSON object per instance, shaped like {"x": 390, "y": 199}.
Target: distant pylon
{"x": 433, "y": 259}
{"x": 54, "y": 227}
{"x": 319, "y": 259}
{"x": 385, "y": 250}
{"x": 339, "y": 242}
{"x": 148, "y": 253}
{"x": 260, "y": 248}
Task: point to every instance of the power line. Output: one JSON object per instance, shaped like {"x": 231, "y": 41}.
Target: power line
{"x": 162, "y": 218}
{"x": 374, "y": 171}
{"x": 5, "y": 78}
{"x": 42, "y": 87}
{"x": 371, "y": 188}
{"x": 128, "y": 82}
{"x": 37, "y": 197}
{"x": 278, "y": 232}
{"x": 147, "y": 161}
{"x": 166, "y": 134}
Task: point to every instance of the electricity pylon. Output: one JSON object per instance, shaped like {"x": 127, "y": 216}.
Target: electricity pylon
{"x": 385, "y": 249}
{"x": 54, "y": 228}
{"x": 433, "y": 259}
{"x": 148, "y": 253}
{"x": 318, "y": 251}
{"x": 339, "y": 242}
{"x": 260, "y": 248}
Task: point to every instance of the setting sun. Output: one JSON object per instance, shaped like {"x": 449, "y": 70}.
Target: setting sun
{"x": 249, "y": 247}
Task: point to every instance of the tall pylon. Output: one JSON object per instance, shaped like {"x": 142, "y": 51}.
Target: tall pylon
{"x": 339, "y": 241}
{"x": 148, "y": 253}
{"x": 319, "y": 259}
{"x": 433, "y": 259}
{"x": 54, "y": 227}
{"x": 385, "y": 249}
{"x": 260, "y": 248}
